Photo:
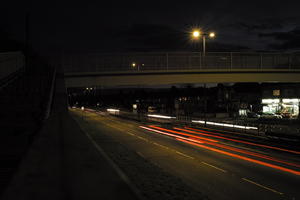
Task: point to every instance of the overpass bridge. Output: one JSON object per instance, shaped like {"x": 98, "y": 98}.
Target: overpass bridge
{"x": 179, "y": 67}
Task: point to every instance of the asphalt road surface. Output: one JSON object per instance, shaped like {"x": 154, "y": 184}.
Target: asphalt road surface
{"x": 219, "y": 165}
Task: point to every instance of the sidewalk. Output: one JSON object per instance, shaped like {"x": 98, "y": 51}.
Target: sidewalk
{"x": 64, "y": 164}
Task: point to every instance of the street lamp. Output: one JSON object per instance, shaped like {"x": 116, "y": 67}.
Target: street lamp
{"x": 197, "y": 34}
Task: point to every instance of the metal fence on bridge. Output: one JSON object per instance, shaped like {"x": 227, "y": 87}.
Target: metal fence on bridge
{"x": 133, "y": 62}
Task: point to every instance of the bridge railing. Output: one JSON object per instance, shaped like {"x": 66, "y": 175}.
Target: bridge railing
{"x": 134, "y": 62}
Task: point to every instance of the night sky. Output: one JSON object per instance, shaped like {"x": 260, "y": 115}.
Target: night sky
{"x": 102, "y": 26}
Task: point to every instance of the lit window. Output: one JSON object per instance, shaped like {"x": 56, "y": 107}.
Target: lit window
{"x": 276, "y": 92}
{"x": 270, "y": 101}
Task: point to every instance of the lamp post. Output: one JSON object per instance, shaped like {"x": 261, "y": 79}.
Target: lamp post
{"x": 197, "y": 34}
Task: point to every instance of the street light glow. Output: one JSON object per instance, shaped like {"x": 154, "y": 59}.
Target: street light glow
{"x": 133, "y": 64}
{"x": 212, "y": 35}
{"x": 196, "y": 34}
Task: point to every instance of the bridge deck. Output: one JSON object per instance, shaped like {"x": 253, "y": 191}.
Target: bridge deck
{"x": 172, "y": 68}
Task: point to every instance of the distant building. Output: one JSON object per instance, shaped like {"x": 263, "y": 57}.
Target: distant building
{"x": 281, "y": 98}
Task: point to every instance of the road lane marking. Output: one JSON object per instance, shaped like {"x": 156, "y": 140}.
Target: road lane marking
{"x": 217, "y": 135}
{"x": 184, "y": 154}
{"x": 162, "y": 146}
{"x": 262, "y": 186}
{"x": 181, "y": 133}
{"x": 130, "y": 133}
{"x": 122, "y": 123}
{"x": 143, "y": 138}
{"x": 115, "y": 167}
{"x": 178, "y": 152}
{"x": 243, "y": 157}
{"x": 222, "y": 170}
{"x": 140, "y": 154}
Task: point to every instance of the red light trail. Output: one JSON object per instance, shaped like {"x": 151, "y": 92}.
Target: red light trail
{"x": 199, "y": 141}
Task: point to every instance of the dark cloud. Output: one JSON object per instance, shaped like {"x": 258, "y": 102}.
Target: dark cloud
{"x": 158, "y": 37}
{"x": 284, "y": 40}
{"x": 258, "y": 26}
{"x": 122, "y": 25}
{"x": 152, "y": 36}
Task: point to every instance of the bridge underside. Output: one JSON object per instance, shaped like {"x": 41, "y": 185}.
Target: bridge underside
{"x": 175, "y": 77}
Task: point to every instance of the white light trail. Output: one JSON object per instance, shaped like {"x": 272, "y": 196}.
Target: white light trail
{"x": 161, "y": 116}
{"x": 226, "y": 125}
{"x": 112, "y": 110}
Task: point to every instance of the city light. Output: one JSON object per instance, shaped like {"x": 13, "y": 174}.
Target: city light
{"x": 270, "y": 101}
{"x": 161, "y": 116}
{"x": 112, "y": 110}
{"x": 290, "y": 100}
{"x": 196, "y": 34}
{"x": 212, "y": 35}
{"x": 225, "y": 125}
{"x": 133, "y": 64}
{"x": 134, "y": 106}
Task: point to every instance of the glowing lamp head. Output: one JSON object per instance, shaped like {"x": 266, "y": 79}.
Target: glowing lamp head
{"x": 196, "y": 34}
{"x": 212, "y": 35}
{"x": 133, "y": 64}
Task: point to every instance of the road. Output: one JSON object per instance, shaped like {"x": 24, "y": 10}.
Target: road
{"x": 218, "y": 165}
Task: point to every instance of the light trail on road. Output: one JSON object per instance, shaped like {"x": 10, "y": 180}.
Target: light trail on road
{"x": 216, "y": 174}
{"x": 242, "y": 157}
{"x": 168, "y": 134}
{"x": 247, "y": 152}
{"x": 176, "y": 132}
{"x": 216, "y": 135}
{"x": 233, "y": 148}
{"x": 200, "y": 143}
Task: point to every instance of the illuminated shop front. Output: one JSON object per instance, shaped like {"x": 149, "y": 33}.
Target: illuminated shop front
{"x": 285, "y": 107}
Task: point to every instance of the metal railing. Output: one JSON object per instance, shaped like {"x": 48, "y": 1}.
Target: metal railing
{"x": 135, "y": 62}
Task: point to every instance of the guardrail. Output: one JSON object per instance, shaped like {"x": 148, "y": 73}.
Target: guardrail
{"x": 10, "y": 62}
{"x": 135, "y": 62}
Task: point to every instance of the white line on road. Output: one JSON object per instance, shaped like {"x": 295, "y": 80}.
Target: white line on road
{"x": 160, "y": 145}
{"x": 140, "y": 154}
{"x": 118, "y": 170}
{"x": 178, "y": 152}
{"x": 143, "y": 138}
{"x": 130, "y": 133}
{"x": 184, "y": 155}
{"x": 222, "y": 170}
{"x": 165, "y": 147}
{"x": 267, "y": 188}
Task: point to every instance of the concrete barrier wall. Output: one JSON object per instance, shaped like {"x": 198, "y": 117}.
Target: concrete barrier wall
{"x": 10, "y": 62}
